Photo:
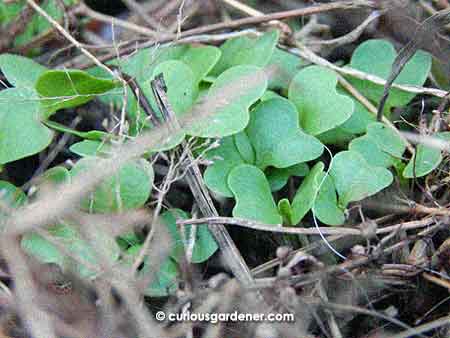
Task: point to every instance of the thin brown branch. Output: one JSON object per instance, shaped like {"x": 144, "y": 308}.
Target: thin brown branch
{"x": 278, "y": 228}
{"x": 315, "y": 9}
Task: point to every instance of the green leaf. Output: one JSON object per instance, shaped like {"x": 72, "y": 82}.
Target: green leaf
{"x": 90, "y": 148}
{"x": 241, "y": 86}
{"x": 56, "y": 175}
{"x": 284, "y": 66}
{"x": 355, "y": 179}
{"x": 355, "y": 125}
{"x": 89, "y": 135}
{"x": 371, "y": 152}
{"x": 285, "y": 210}
{"x": 9, "y": 10}
{"x": 11, "y": 197}
{"x": 37, "y": 25}
{"x": 375, "y": 57}
{"x": 52, "y": 178}
{"x": 70, "y": 88}
{"x": 142, "y": 67}
{"x": 246, "y": 51}
{"x": 276, "y": 137}
{"x": 41, "y": 249}
{"x": 54, "y": 10}
{"x": 321, "y": 107}
{"x": 69, "y": 237}
{"x": 129, "y": 189}
{"x": 278, "y": 177}
{"x": 20, "y": 71}
{"x": 244, "y": 146}
{"x": 326, "y": 207}
{"x": 381, "y": 146}
{"x": 166, "y": 281}
{"x": 268, "y": 94}
{"x": 386, "y": 139}
{"x": 204, "y": 246}
{"x": 307, "y": 193}
{"x": 425, "y": 160}
{"x": 360, "y": 119}
{"x": 201, "y": 59}
{"x": 226, "y": 157}
{"x": 253, "y": 196}
{"x": 182, "y": 89}
{"x": 21, "y": 131}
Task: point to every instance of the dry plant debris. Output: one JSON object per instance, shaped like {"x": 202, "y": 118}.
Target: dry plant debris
{"x": 184, "y": 158}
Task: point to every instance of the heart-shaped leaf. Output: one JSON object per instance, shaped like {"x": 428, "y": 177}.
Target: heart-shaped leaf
{"x": 355, "y": 179}
{"x": 204, "y": 244}
{"x": 371, "y": 152}
{"x": 376, "y": 57}
{"x": 201, "y": 59}
{"x": 355, "y": 125}
{"x": 425, "y": 160}
{"x": 325, "y": 206}
{"x": 246, "y": 51}
{"x": 253, "y": 196}
{"x": 276, "y": 137}
{"x": 20, "y": 71}
{"x": 386, "y": 139}
{"x": 129, "y": 189}
{"x": 226, "y": 157}
{"x": 307, "y": 193}
{"x": 70, "y": 88}
{"x": 381, "y": 146}
{"x": 228, "y": 101}
{"x": 21, "y": 132}
{"x": 182, "y": 91}
{"x": 321, "y": 108}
